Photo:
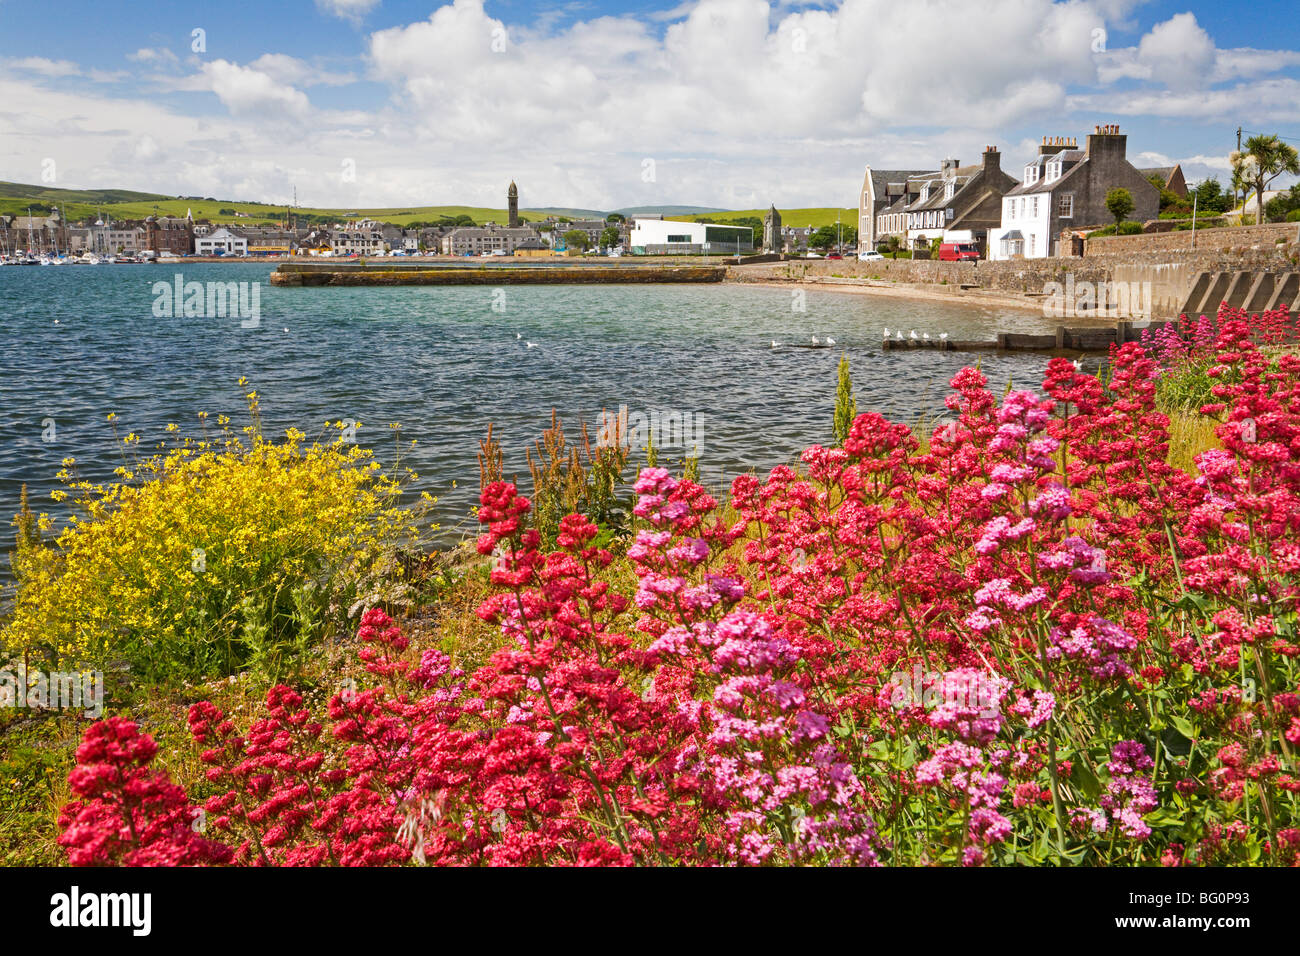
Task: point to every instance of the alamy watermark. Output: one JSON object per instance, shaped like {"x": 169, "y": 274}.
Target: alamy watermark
{"x": 208, "y": 300}
{"x": 1111, "y": 300}
{"x": 58, "y": 690}
{"x": 664, "y": 428}
{"x": 977, "y": 693}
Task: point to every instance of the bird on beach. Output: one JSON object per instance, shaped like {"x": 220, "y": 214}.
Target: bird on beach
{"x": 886, "y": 335}
{"x": 816, "y": 341}
{"x": 829, "y": 340}
{"x": 943, "y": 336}
{"x": 899, "y": 336}
{"x": 913, "y": 335}
{"x": 926, "y": 336}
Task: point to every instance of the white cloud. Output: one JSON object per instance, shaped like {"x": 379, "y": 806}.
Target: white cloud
{"x": 737, "y": 103}
{"x": 352, "y": 10}
{"x": 42, "y": 66}
{"x": 249, "y": 92}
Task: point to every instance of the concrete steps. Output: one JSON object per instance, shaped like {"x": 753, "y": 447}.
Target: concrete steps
{"x": 1252, "y": 291}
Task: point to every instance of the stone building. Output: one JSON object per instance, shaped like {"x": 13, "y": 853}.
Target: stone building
{"x": 886, "y": 189}
{"x": 485, "y": 240}
{"x": 512, "y": 204}
{"x": 959, "y": 204}
{"x": 773, "y": 240}
{"x": 1064, "y": 188}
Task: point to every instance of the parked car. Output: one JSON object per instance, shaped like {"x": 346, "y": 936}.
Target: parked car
{"x": 958, "y": 252}
{"x": 870, "y": 255}
{"x": 834, "y": 255}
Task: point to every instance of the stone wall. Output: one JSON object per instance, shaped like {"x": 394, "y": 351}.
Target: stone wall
{"x": 1230, "y": 241}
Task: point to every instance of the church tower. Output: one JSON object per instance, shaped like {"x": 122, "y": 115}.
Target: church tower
{"x": 512, "y": 201}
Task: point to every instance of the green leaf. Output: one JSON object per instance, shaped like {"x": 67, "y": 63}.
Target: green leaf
{"x": 1085, "y": 780}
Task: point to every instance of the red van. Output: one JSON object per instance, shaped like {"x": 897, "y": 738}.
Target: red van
{"x": 958, "y": 251}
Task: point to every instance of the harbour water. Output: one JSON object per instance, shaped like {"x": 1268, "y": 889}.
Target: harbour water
{"x": 81, "y": 342}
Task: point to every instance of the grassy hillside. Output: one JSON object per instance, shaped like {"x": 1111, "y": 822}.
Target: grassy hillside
{"x": 126, "y": 204}
{"x": 813, "y": 216}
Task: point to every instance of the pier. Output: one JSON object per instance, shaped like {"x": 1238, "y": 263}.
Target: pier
{"x": 508, "y": 272}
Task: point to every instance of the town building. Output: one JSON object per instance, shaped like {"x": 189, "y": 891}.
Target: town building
{"x": 592, "y": 228}
{"x": 1064, "y": 189}
{"x": 882, "y": 190}
{"x": 169, "y": 234}
{"x": 512, "y": 204}
{"x": 660, "y": 237}
{"x": 960, "y": 204}
{"x": 485, "y": 240}
{"x": 1171, "y": 178}
{"x": 364, "y": 238}
{"x": 38, "y": 234}
{"x": 221, "y": 242}
{"x": 533, "y": 248}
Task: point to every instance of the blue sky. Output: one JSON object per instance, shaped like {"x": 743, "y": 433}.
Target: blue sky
{"x": 732, "y": 103}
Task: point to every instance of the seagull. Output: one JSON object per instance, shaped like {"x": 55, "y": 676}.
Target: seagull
{"x": 886, "y": 335}
{"x": 774, "y": 343}
{"x": 519, "y": 335}
{"x": 816, "y": 341}
{"x": 900, "y": 335}
{"x": 926, "y": 336}
{"x": 912, "y": 336}
{"x": 1078, "y": 365}
{"x": 56, "y": 321}
{"x": 286, "y": 328}
{"x": 943, "y": 336}
{"x": 531, "y": 345}
{"x": 829, "y": 340}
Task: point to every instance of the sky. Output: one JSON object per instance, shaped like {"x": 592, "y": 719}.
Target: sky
{"x": 724, "y": 103}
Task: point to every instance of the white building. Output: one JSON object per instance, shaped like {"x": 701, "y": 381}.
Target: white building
{"x": 221, "y": 242}
{"x": 659, "y": 237}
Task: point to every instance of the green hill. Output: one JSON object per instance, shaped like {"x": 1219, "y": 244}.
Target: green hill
{"x": 15, "y": 198}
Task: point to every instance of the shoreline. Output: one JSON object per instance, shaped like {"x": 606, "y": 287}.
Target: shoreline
{"x": 915, "y": 291}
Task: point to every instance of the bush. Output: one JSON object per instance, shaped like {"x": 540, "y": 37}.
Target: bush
{"x": 1293, "y": 216}
{"x": 206, "y": 560}
{"x": 1129, "y": 228}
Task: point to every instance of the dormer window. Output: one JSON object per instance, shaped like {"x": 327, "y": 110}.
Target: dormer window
{"x": 1053, "y": 170}
{"x": 1031, "y": 174}
{"x": 949, "y": 189}
{"x": 925, "y": 192}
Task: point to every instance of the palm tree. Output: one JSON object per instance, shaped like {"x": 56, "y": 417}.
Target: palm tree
{"x": 1263, "y": 160}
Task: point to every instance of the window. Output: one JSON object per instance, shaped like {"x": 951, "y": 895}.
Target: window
{"x": 679, "y": 238}
{"x": 1035, "y": 212}
{"x": 1065, "y": 206}
{"x": 1031, "y": 174}
{"x": 948, "y": 190}
{"x": 1053, "y": 170}
{"x": 1031, "y": 243}
{"x": 1022, "y": 208}
{"x": 1011, "y": 209}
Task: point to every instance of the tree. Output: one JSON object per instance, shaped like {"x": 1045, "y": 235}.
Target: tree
{"x": 822, "y": 238}
{"x": 576, "y": 239}
{"x": 1120, "y": 203}
{"x": 615, "y": 217}
{"x": 846, "y": 406}
{"x": 610, "y": 236}
{"x": 1263, "y": 160}
{"x": 892, "y": 245}
{"x": 1210, "y": 196}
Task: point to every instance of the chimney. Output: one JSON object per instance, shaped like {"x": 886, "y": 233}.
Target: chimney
{"x": 947, "y": 166}
{"x": 992, "y": 159}
{"x": 1106, "y": 141}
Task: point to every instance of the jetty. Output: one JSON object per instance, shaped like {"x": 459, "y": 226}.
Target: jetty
{"x": 387, "y": 272}
{"x": 1094, "y": 339}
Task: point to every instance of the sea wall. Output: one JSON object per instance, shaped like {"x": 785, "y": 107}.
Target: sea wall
{"x": 383, "y": 274}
